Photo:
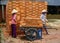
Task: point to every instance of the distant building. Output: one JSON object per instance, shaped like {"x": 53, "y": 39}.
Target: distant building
{"x": 3, "y": 10}
{"x": 53, "y": 2}
{"x": 53, "y": 6}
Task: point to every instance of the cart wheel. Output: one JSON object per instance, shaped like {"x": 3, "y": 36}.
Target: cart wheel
{"x": 31, "y": 34}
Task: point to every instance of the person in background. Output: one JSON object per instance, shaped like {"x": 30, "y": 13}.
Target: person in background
{"x": 44, "y": 19}
{"x": 13, "y": 23}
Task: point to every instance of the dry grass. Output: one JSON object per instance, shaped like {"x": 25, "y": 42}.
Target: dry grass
{"x": 55, "y": 16}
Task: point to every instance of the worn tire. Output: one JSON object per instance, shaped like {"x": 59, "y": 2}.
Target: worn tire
{"x": 31, "y": 31}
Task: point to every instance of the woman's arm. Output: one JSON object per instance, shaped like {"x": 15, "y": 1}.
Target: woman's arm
{"x": 42, "y": 18}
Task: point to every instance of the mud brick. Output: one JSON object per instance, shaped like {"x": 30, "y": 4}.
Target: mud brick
{"x": 22, "y": 3}
{"x": 30, "y": 12}
{"x": 14, "y": 4}
{"x": 22, "y": 18}
{"x": 22, "y": 11}
{"x": 22, "y": 15}
{"x": 21, "y": 6}
{"x": 29, "y": 5}
{"x": 9, "y": 4}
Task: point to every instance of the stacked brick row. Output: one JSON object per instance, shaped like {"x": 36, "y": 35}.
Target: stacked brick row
{"x": 28, "y": 13}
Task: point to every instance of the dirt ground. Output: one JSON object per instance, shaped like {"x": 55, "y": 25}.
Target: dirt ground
{"x": 53, "y": 37}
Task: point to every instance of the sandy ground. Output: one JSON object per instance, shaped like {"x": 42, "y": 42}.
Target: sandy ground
{"x": 53, "y": 37}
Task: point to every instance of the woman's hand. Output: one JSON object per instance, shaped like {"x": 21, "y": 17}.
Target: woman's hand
{"x": 46, "y": 20}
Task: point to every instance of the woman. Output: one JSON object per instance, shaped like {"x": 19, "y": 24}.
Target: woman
{"x": 44, "y": 20}
{"x": 13, "y": 23}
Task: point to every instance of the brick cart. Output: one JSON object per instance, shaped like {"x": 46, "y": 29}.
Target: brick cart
{"x": 28, "y": 16}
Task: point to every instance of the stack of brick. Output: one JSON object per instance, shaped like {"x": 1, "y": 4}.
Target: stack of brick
{"x": 28, "y": 13}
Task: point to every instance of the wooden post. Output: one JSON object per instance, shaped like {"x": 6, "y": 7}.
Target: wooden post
{"x": 3, "y": 12}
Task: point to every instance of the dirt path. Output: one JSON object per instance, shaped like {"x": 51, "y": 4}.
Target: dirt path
{"x": 53, "y": 37}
